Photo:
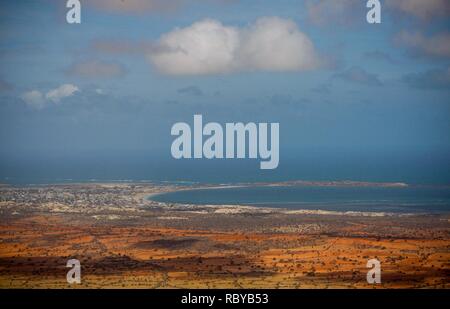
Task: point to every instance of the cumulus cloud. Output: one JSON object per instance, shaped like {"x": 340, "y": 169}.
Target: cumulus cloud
{"x": 431, "y": 79}
{"x": 33, "y": 98}
{"x": 209, "y": 47}
{"x": 96, "y": 69}
{"x": 359, "y": 75}
{"x": 276, "y": 44}
{"x": 437, "y": 45}
{"x": 203, "y": 48}
{"x": 422, "y": 9}
{"x": 37, "y": 99}
{"x": 63, "y": 91}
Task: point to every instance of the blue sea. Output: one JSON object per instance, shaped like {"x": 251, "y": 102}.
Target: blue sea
{"x": 427, "y": 175}
{"x": 413, "y": 199}
{"x": 424, "y": 169}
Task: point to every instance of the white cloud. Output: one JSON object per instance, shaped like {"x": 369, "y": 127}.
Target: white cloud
{"x": 37, "y": 99}
{"x": 61, "y": 92}
{"x": 437, "y": 45}
{"x": 209, "y": 47}
{"x": 33, "y": 98}
{"x": 276, "y": 44}
{"x": 423, "y": 9}
{"x": 205, "y": 47}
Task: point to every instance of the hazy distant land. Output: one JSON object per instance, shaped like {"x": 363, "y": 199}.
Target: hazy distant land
{"x": 125, "y": 240}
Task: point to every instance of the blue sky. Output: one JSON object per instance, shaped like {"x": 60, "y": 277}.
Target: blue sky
{"x": 115, "y": 84}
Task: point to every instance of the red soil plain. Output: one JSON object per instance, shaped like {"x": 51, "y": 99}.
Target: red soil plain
{"x": 123, "y": 240}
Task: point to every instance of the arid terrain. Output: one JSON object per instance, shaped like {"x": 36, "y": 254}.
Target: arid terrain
{"x": 124, "y": 240}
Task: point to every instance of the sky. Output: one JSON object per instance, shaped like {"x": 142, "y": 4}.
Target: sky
{"x": 98, "y": 99}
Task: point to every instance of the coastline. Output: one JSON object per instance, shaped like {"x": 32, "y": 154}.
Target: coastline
{"x": 257, "y": 207}
{"x": 124, "y": 240}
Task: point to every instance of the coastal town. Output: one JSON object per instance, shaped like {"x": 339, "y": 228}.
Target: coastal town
{"x": 124, "y": 239}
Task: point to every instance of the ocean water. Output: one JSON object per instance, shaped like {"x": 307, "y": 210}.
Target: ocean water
{"x": 427, "y": 174}
{"x": 423, "y": 169}
{"x": 413, "y": 199}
